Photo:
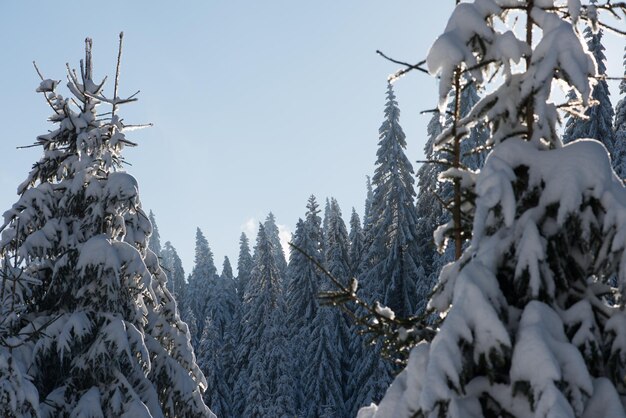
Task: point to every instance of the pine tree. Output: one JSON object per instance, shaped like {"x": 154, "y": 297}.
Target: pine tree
{"x": 303, "y": 281}
{"x": 391, "y": 272}
{"x": 531, "y": 325}
{"x": 105, "y": 338}
{"x": 598, "y": 122}
{"x": 332, "y": 327}
{"x": 271, "y": 229}
{"x": 357, "y": 243}
{"x": 337, "y": 244}
{"x": 395, "y": 275}
{"x": 173, "y": 266}
{"x": 155, "y": 239}
{"x": 199, "y": 287}
{"x": 217, "y": 344}
{"x": 323, "y": 379}
{"x": 257, "y": 390}
{"x": 244, "y": 265}
{"x": 367, "y": 216}
{"x": 619, "y": 150}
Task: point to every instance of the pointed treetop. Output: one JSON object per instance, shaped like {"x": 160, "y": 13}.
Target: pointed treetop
{"x": 227, "y": 270}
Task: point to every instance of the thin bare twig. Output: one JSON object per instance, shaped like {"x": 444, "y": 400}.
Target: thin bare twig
{"x": 409, "y": 67}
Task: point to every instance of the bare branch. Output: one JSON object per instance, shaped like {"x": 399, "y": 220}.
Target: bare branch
{"x": 408, "y": 66}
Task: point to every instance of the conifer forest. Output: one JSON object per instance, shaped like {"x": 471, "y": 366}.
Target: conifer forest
{"x": 486, "y": 280}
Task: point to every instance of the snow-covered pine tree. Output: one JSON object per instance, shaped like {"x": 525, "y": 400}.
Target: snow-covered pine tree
{"x": 395, "y": 276}
{"x": 227, "y": 269}
{"x": 105, "y": 338}
{"x": 391, "y": 272}
{"x": 369, "y": 198}
{"x": 244, "y": 265}
{"x": 217, "y": 344}
{"x": 325, "y": 219}
{"x": 619, "y": 150}
{"x": 528, "y": 327}
{"x": 258, "y": 389}
{"x": 323, "y": 379}
{"x": 303, "y": 286}
{"x": 271, "y": 229}
{"x": 339, "y": 333}
{"x": 212, "y": 361}
{"x": 173, "y": 266}
{"x": 337, "y": 244}
{"x": 155, "y": 239}
{"x": 198, "y": 292}
{"x": 598, "y": 118}
{"x": 357, "y": 243}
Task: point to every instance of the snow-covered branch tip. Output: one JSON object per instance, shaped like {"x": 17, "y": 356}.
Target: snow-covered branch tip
{"x": 398, "y": 335}
{"x": 409, "y": 67}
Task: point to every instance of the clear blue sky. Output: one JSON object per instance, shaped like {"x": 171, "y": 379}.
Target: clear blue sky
{"x": 256, "y": 105}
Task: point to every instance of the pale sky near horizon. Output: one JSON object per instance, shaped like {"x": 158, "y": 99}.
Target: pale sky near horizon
{"x": 255, "y": 105}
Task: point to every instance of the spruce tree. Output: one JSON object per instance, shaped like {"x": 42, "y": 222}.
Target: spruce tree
{"x": 271, "y": 229}
{"x": 198, "y": 292}
{"x": 391, "y": 271}
{"x": 244, "y": 266}
{"x": 173, "y": 266}
{"x": 369, "y": 198}
{"x": 105, "y": 338}
{"x": 217, "y": 344}
{"x": 323, "y": 379}
{"x": 357, "y": 243}
{"x": 393, "y": 254}
{"x": 532, "y": 326}
{"x": 598, "y": 119}
{"x": 155, "y": 239}
{"x": 303, "y": 281}
{"x": 337, "y": 244}
{"x": 258, "y": 390}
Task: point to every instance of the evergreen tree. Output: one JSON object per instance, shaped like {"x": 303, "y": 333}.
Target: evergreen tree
{"x": 598, "y": 121}
{"x": 213, "y": 363}
{"x": 367, "y": 216}
{"x": 271, "y": 229}
{"x": 357, "y": 243}
{"x": 619, "y": 150}
{"x": 395, "y": 276}
{"x": 155, "y": 239}
{"x": 304, "y": 279}
{"x": 105, "y": 338}
{"x": 326, "y": 218}
{"x": 337, "y": 245}
{"x": 173, "y": 266}
{"x": 323, "y": 379}
{"x": 227, "y": 270}
{"x": 391, "y": 272}
{"x": 198, "y": 292}
{"x": 331, "y": 331}
{"x": 244, "y": 265}
{"x": 257, "y": 390}
{"x": 216, "y": 346}
{"x": 532, "y": 327}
